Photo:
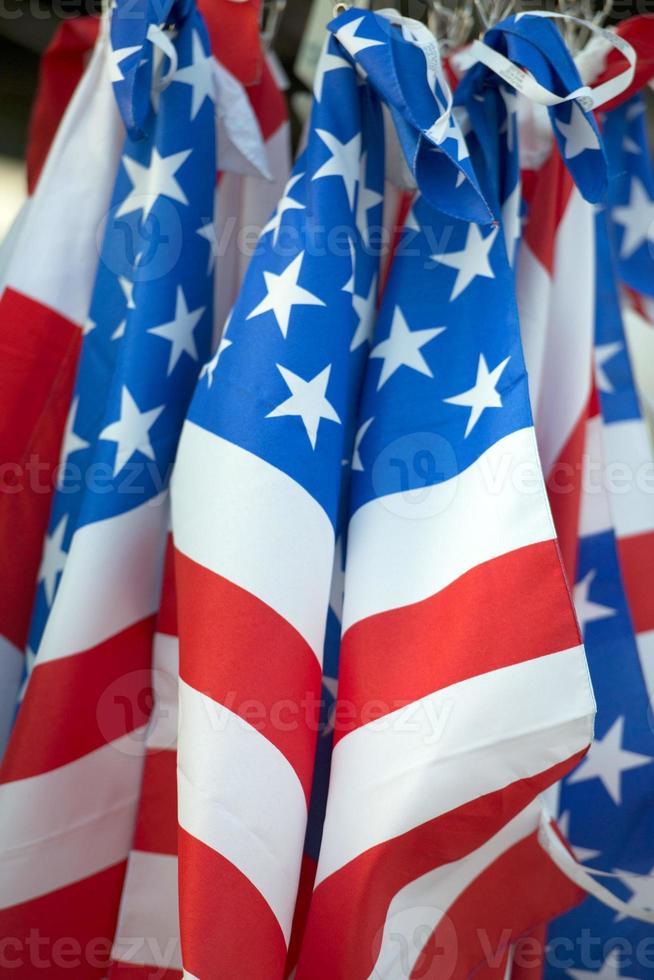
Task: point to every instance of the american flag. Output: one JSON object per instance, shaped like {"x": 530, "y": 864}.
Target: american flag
{"x": 255, "y": 504}
{"x": 72, "y": 770}
{"x": 48, "y": 270}
{"x": 147, "y": 934}
{"x": 432, "y": 804}
{"x": 606, "y": 803}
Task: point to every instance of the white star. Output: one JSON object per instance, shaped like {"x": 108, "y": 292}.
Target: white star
{"x": 119, "y": 331}
{"x": 578, "y": 133}
{"x": 610, "y": 970}
{"x": 358, "y": 439}
{"x": 287, "y": 203}
{"x": 179, "y": 332}
{"x": 607, "y": 760}
{"x": 209, "y": 368}
{"x": 199, "y": 75}
{"x": 454, "y": 131}
{"x": 347, "y": 36}
{"x": 327, "y": 62}
{"x": 402, "y": 348}
{"x": 511, "y": 221}
{"x": 283, "y": 293}
{"x": 343, "y": 162}
{"x": 53, "y": 561}
{"x": 642, "y": 891}
{"x": 510, "y": 99}
{"x": 483, "y": 393}
{"x": 349, "y": 285}
{"x": 208, "y": 232}
{"x": 307, "y": 401}
{"x": 635, "y": 110}
{"x": 637, "y": 219}
{"x": 88, "y": 326}
{"x": 470, "y": 261}
{"x": 117, "y": 57}
{"x": 128, "y": 291}
{"x": 364, "y": 307}
{"x": 630, "y": 145}
{"x": 604, "y": 353}
{"x": 72, "y": 443}
{"x": 366, "y": 199}
{"x": 156, "y": 180}
{"x": 131, "y": 431}
{"x": 411, "y": 223}
{"x": 587, "y": 610}
{"x": 581, "y": 853}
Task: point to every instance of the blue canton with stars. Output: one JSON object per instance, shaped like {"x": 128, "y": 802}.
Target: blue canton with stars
{"x": 284, "y": 383}
{"x": 150, "y": 320}
{"x": 607, "y": 803}
{"x": 446, "y": 376}
{"x": 631, "y": 193}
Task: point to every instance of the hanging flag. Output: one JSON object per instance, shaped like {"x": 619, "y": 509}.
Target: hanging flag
{"x": 71, "y": 775}
{"x": 48, "y": 266}
{"x": 147, "y": 935}
{"x": 605, "y": 803}
{"x": 455, "y": 598}
{"x": 255, "y": 501}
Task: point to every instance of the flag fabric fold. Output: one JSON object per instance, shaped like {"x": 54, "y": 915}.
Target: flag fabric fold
{"x": 67, "y": 803}
{"x": 433, "y": 798}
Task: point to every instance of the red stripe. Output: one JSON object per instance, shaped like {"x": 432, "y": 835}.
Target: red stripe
{"x": 564, "y": 493}
{"x": 138, "y": 971}
{"x": 399, "y": 656}
{"x": 530, "y": 958}
{"x": 244, "y": 655}
{"x": 156, "y": 824}
{"x": 228, "y": 929}
{"x": 521, "y": 889}
{"x": 637, "y": 563}
{"x": 349, "y": 907}
{"x": 167, "y": 616}
{"x": 77, "y": 704}
{"x": 547, "y": 192}
{"x": 39, "y": 350}
{"x": 66, "y": 933}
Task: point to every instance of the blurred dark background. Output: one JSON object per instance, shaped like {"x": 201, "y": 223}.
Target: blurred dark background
{"x": 26, "y": 27}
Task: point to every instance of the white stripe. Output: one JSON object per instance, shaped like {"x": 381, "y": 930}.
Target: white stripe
{"x": 640, "y": 337}
{"x": 162, "y": 727}
{"x": 565, "y": 377}
{"x": 64, "y": 825}
{"x": 645, "y": 644}
{"x": 248, "y": 521}
{"x": 533, "y": 291}
{"x": 407, "y": 546}
{"x": 111, "y": 580}
{"x": 418, "y": 908}
{"x": 629, "y": 475}
{"x": 240, "y": 796}
{"x": 12, "y": 664}
{"x": 451, "y": 747}
{"x": 594, "y": 511}
{"x": 148, "y": 925}
{"x": 56, "y": 252}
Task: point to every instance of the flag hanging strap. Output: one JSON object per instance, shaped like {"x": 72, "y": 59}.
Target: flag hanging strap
{"x": 588, "y": 96}
{"x": 584, "y": 877}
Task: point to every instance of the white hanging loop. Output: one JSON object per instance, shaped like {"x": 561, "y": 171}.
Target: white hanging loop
{"x": 584, "y": 877}
{"x": 589, "y": 97}
{"x": 160, "y": 40}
